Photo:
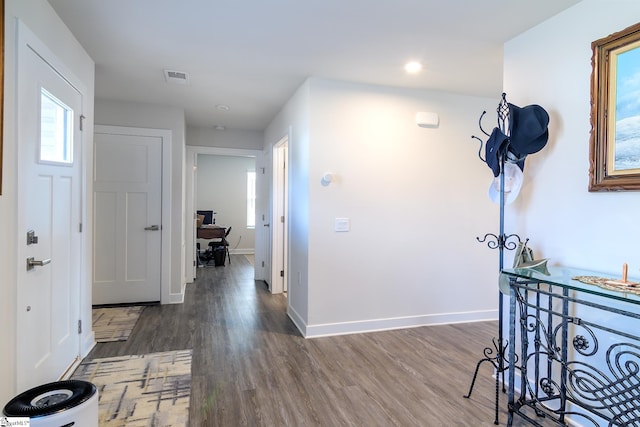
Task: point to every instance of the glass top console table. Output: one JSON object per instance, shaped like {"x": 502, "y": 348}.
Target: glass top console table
{"x": 574, "y": 347}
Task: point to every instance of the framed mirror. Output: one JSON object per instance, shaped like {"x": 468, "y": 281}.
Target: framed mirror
{"x": 614, "y": 152}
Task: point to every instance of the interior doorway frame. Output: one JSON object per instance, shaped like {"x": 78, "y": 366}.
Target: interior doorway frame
{"x": 191, "y": 166}
{"x": 280, "y": 217}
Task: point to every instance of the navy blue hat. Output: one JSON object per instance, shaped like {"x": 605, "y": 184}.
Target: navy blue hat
{"x": 495, "y": 148}
{"x": 528, "y": 132}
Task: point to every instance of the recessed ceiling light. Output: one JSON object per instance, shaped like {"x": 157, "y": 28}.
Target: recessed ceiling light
{"x": 223, "y": 107}
{"x": 219, "y": 127}
{"x": 413, "y": 67}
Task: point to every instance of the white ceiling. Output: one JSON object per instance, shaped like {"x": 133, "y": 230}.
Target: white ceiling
{"x": 253, "y": 54}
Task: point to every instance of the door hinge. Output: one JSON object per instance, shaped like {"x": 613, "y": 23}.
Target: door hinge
{"x": 79, "y": 326}
{"x": 282, "y": 219}
{"x": 281, "y": 273}
{"x": 194, "y": 263}
{"x": 80, "y": 228}
{"x": 82, "y": 117}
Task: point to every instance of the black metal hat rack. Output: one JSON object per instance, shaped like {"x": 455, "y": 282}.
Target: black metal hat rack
{"x": 496, "y": 353}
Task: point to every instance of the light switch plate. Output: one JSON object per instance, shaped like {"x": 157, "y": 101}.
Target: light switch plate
{"x": 342, "y": 224}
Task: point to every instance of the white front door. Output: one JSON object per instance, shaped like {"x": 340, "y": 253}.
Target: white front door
{"x": 49, "y": 215}
{"x": 127, "y": 217}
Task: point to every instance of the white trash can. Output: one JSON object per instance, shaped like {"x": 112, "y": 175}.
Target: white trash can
{"x": 58, "y": 404}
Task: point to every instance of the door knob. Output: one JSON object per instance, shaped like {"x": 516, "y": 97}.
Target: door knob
{"x": 266, "y": 225}
{"x": 32, "y": 263}
{"x": 152, "y": 228}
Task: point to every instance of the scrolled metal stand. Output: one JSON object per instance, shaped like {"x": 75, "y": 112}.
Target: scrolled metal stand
{"x": 497, "y": 354}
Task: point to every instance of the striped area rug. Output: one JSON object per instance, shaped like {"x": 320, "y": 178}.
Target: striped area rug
{"x": 115, "y": 323}
{"x": 141, "y": 391}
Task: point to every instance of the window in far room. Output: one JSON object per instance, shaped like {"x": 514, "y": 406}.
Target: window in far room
{"x": 251, "y": 199}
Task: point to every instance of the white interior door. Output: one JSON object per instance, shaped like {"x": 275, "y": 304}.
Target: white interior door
{"x": 49, "y": 212}
{"x": 127, "y": 218}
{"x": 263, "y": 218}
{"x": 279, "y": 218}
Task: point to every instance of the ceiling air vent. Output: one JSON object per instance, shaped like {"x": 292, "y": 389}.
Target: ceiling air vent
{"x": 176, "y": 77}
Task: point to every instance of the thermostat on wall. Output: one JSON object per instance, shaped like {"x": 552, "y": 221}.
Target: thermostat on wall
{"x": 427, "y": 119}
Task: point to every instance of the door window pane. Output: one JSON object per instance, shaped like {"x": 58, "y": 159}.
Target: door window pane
{"x": 56, "y": 127}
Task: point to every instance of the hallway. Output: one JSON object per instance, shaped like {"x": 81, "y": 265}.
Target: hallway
{"x": 251, "y": 366}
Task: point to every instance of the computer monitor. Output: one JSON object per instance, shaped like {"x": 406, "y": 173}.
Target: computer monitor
{"x": 209, "y": 217}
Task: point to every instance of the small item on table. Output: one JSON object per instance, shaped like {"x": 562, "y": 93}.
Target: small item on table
{"x": 624, "y": 281}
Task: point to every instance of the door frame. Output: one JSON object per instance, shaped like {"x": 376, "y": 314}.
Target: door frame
{"x": 165, "y": 228}
{"x": 27, "y": 39}
{"x": 263, "y": 216}
{"x": 190, "y": 202}
{"x": 280, "y": 216}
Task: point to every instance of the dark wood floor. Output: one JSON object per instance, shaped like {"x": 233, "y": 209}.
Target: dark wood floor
{"x": 252, "y": 367}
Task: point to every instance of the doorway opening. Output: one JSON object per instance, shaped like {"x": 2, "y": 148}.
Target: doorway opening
{"x": 199, "y": 154}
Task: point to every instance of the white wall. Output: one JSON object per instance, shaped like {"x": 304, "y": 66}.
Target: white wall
{"x": 416, "y": 199}
{"x": 293, "y": 120}
{"x": 43, "y": 21}
{"x": 232, "y": 138}
{"x": 551, "y": 65}
{"x": 120, "y": 113}
{"x": 222, "y": 187}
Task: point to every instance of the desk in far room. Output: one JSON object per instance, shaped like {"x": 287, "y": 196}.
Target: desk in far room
{"x": 217, "y": 234}
{"x": 211, "y": 231}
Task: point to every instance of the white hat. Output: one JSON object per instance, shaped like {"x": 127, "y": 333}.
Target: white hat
{"x": 512, "y": 184}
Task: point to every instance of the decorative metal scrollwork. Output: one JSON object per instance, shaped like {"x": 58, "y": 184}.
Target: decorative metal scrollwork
{"x": 605, "y": 385}
{"x": 548, "y": 386}
{"x": 580, "y": 343}
{"x": 501, "y": 241}
{"x": 616, "y": 391}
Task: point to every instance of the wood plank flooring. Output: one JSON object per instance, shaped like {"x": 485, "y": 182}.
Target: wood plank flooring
{"x": 251, "y": 367}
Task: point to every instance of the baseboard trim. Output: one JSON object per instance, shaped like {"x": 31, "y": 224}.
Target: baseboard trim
{"x": 88, "y": 343}
{"x": 178, "y": 298}
{"x": 374, "y": 325}
{"x": 297, "y": 320}
{"x": 245, "y": 251}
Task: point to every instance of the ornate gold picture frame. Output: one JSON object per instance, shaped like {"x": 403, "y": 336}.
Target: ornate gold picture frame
{"x": 614, "y": 151}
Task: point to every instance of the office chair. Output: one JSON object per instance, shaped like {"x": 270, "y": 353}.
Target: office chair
{"x": 224, "y": 243}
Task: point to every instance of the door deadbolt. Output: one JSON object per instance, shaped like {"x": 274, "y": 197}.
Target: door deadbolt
{"x": 32, "y": 239}
{"x": 32, "y": 263}
{"x": 152, "y": 228}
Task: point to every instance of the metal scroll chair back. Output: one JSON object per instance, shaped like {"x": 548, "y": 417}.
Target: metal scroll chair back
{"x": 225, "y": 242}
